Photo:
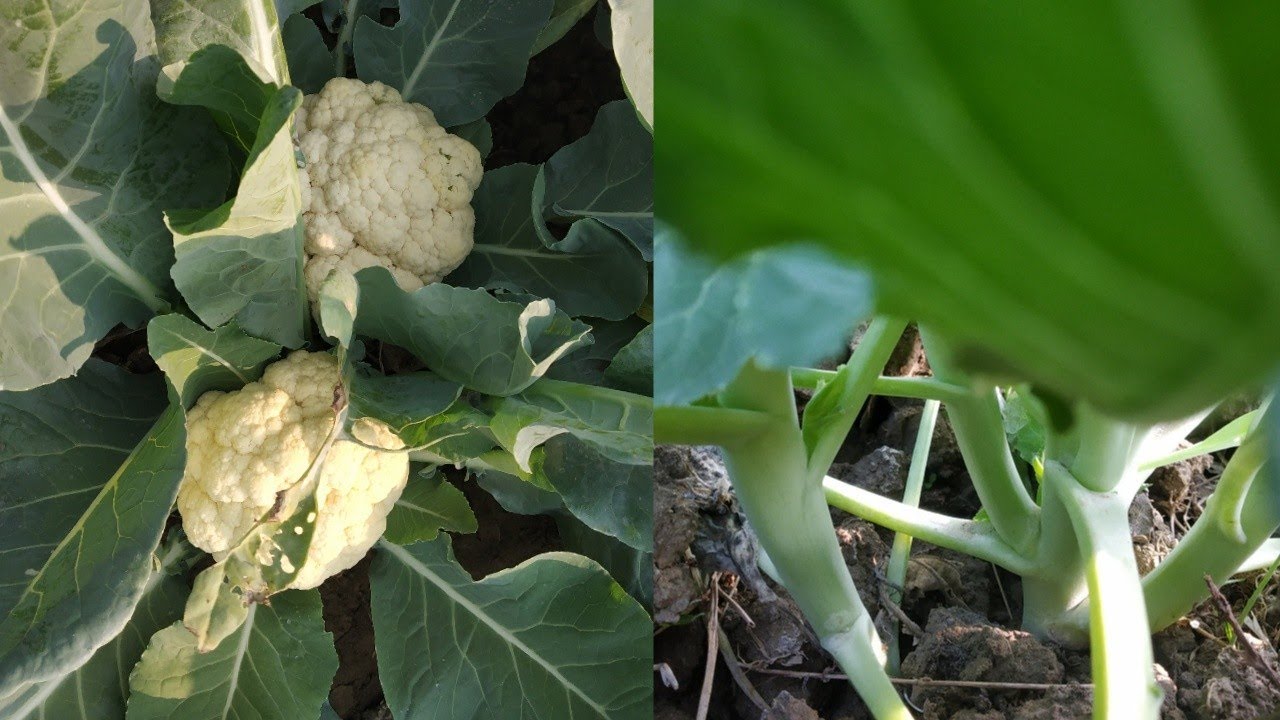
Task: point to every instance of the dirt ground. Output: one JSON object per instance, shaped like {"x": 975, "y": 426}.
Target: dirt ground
{"x": 770, "y": 665}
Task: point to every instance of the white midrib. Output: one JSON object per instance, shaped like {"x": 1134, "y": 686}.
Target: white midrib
{"x": 242, "y": 648}
{"x": 262, "y": 39}
{"x": 215, "y": 357}
{"x": 35, "y": 701}
{"x": 419, "y": 508}
{"x": 93, "y": 242}
{"x": 416, "y": 565}
{"x": 427, "y": 52}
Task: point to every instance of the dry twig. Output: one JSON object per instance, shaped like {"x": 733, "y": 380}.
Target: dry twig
{"x": 977, "y": 684}
{"x": 729, "y": 596}
{"x": 1250, "y": 652}
{"x": 713, "y": 642}
{"x": 740, "y": 677}
{"x": 908, "y": 625}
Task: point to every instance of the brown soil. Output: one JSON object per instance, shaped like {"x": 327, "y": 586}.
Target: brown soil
{"x": 564, "y": 87}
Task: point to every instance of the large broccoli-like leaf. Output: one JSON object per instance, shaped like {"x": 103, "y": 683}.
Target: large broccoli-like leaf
{"x": 468, "y": 336}
{"x": 632, "y": 22}
{"x": 97, "y": 689}
{"x": 599, "y": 274}
{"x": 619, "y": 424}
{"x": 554, "y": 637}
{"x": 89, "y": 158}
{"x": 197, "y": 360}
{"x": 429, "y": 504}
{"x": 250, "y": 27}
{"x": 564, "y": 15}
{"x": 457, "y": 57}
{"x": 595, "y": 448}
{"x": 243, "y": 260}
{"x": 605, "y": 177}
{"x": 277, "y": 665}
{"x": 88, "y": 475}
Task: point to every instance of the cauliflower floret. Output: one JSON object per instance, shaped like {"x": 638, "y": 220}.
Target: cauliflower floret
{"x": 384, "y": 184}
{"x": 244, "y": 447}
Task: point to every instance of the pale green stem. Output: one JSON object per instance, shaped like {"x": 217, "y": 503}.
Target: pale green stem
{"x": 901, "y": 552}
{"x": 978, "y": 425}
{"x": 1120, "y": 644}
{"x": 1228, "y": 436}
{"x": 864, "y": 366}
{"x": 790, "y": 518}
{"x": 979, "y": 430}
{"x": 1102, "y": 450}
{"x": 971, "y": 537}
{"x": 697, "y": 425}
{"x": 918, "y": 388}
{"x": 1212, "y": 546}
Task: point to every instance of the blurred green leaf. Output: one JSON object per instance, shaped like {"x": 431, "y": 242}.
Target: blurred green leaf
{"x": 782, "y": 306}
{"x": 1099, "y": 217}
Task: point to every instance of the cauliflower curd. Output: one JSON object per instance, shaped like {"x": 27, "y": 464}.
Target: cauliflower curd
{"x": 244, "y": 447}
{"x": 384, "y": 185}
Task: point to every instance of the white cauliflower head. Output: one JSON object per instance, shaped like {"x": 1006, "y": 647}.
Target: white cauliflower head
{"x": 384, "y": 184}
{"x": 244, "y": 447}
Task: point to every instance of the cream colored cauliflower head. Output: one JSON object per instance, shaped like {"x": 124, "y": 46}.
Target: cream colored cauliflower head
{"x": 384, "y": 185}
{"x": 244, "y": 447}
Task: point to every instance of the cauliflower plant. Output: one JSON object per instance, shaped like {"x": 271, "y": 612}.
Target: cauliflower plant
{"x": 384, "y": 184}
{"x": 246, "y": 446}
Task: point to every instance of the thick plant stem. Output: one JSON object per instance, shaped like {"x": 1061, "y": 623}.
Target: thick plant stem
{"x": 1098, "y": 452}
{"x": 1237, "y": 521}
{"x": 979, "y": 431}
{"x": 1051, "y": 590}
{"x": 1120, "y": 642}
{"x": 1104, "y": 450}
{"x": 789, "y": 515}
